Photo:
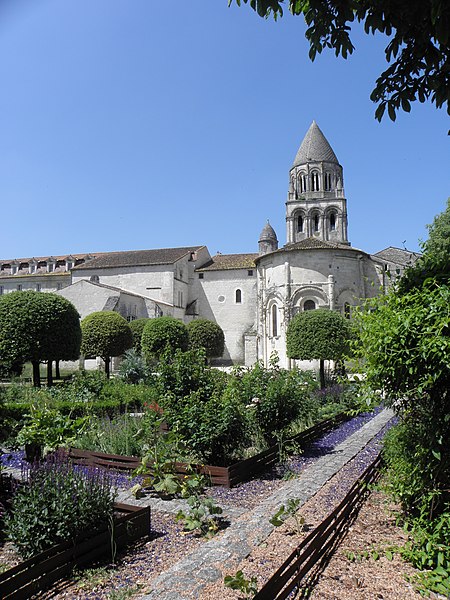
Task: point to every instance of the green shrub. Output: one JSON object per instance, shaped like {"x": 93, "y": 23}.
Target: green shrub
{"x": 57, "y": 503}
{"x": 161, "y": 334}
{"x": 137, "y": 328}
{"x": 207, "y": 335}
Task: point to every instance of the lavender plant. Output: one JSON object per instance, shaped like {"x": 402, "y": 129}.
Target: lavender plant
{"x": 57, "y": 502}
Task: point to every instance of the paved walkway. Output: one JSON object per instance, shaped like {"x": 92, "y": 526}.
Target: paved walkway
{"x": 186, "y": 579}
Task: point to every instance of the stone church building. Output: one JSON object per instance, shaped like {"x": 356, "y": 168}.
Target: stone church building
{"x": 251, "y": 296}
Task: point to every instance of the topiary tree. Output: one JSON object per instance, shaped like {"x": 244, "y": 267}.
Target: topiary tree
{"x": 318, "y": 335}
{"x": 162, "y": 333}
{"x": 137, "y": 327}
{"x": 105, "y": 334}
{"x": 38, "y": 327}
{"x": 207, "y": 335}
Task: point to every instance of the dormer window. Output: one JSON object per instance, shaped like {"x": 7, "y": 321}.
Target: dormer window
{"x": 315, "y": 187}
{"x": 14, "y": 269}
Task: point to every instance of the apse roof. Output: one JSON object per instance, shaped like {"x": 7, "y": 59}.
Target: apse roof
{"x": 314, "y": 148}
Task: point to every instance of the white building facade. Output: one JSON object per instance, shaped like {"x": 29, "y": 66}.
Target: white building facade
{"x": 251, "y": 296}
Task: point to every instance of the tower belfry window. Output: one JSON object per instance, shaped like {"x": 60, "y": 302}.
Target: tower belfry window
{"x": 300, "y": 223}
{"x": 302, "y": 183}
{"x": 315, "y": 181}
{"x": 316, "y": 222}
{"x": 327, "y": 182}
{"x": 332, "y": 222}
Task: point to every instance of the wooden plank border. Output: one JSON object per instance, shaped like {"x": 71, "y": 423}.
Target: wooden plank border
{"x": 319, "y": 544}
{"x": 226, "y": 476}
{"x": 42, "y": 570}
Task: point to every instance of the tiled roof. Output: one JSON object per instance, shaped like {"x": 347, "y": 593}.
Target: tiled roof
{"x": 398, "y": 256}
{"x": 314, "y": 148}
{"x": 221, "y": 262}
{"x": 138, "y": 258}
{"x": 313, "y": 243}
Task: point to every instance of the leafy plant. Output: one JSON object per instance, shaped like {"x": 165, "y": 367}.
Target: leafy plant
{"x": 248, "y": 587}
{"x": 287, "y": 511}
{"x": 48, "y": 429}
{"x": 133, "y": 368}
{"x": 158, "y": 466}
{"x": 202, "y": 515}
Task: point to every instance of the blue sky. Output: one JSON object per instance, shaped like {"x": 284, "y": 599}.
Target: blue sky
{"x": 135, "y": 124}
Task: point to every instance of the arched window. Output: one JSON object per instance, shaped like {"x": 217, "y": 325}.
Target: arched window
{"x": 332, "y": 221}
{"x": 302, "y": 183}
{"x": 238, "y": 296}
{"x": 316, "y": 222}
{"x": 327, "y": 182}
{"x": 315, "y": 181}
{"x": 347, "y": 310}
{"x": 274, "y": 320}
{"x": 309, "y": 305}
{"x": 300, "y": 223}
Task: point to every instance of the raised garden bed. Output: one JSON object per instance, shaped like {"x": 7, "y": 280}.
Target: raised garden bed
{"x": 42, "y": 570}
{"x": 224, "y": 476}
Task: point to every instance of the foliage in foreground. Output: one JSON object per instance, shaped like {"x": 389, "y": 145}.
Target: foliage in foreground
{"x": 418, "y": 48}
{"x": 57, "y": 503}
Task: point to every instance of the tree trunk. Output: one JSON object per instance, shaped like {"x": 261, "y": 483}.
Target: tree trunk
{"x": 36, "y": 374}
{"x": 57, "y": 373}
{"x": 107, "y": 361}
{"x": 322, "y": 374}
{"x": 49, "y": 373}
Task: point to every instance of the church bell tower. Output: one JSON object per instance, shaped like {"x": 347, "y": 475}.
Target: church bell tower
{"x": 316, "y": 206}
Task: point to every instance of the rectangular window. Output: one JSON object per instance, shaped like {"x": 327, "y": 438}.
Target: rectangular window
{"x": 19, "y": 287}
{"x": 200, "y": 275}
{"x": 38, "y": 287}
{"x": 250, "y": 272}
{"x": 1, "y": 290}
{"x": 59, "y": 286}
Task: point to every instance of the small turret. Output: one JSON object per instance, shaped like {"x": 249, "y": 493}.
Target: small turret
{"x": 268, "y": 241}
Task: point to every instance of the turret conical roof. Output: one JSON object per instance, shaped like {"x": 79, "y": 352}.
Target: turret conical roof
{"x": 314, "y": 148}
{"x": 268, "y": 233}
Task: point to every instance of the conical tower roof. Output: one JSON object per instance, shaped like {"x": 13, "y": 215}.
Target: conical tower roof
{"x": 314, "y": 148}
{"x": 268, "y": 233}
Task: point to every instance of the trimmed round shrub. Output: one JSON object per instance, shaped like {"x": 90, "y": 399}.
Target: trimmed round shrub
{"x": 137, "y": 327}
{"x": 207, "y": 335}
{"x": 318, "y": 335}
{"x": 161, "y": 334}
{"x": 105, "y": 334}
{"x": 37, "y": 327}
